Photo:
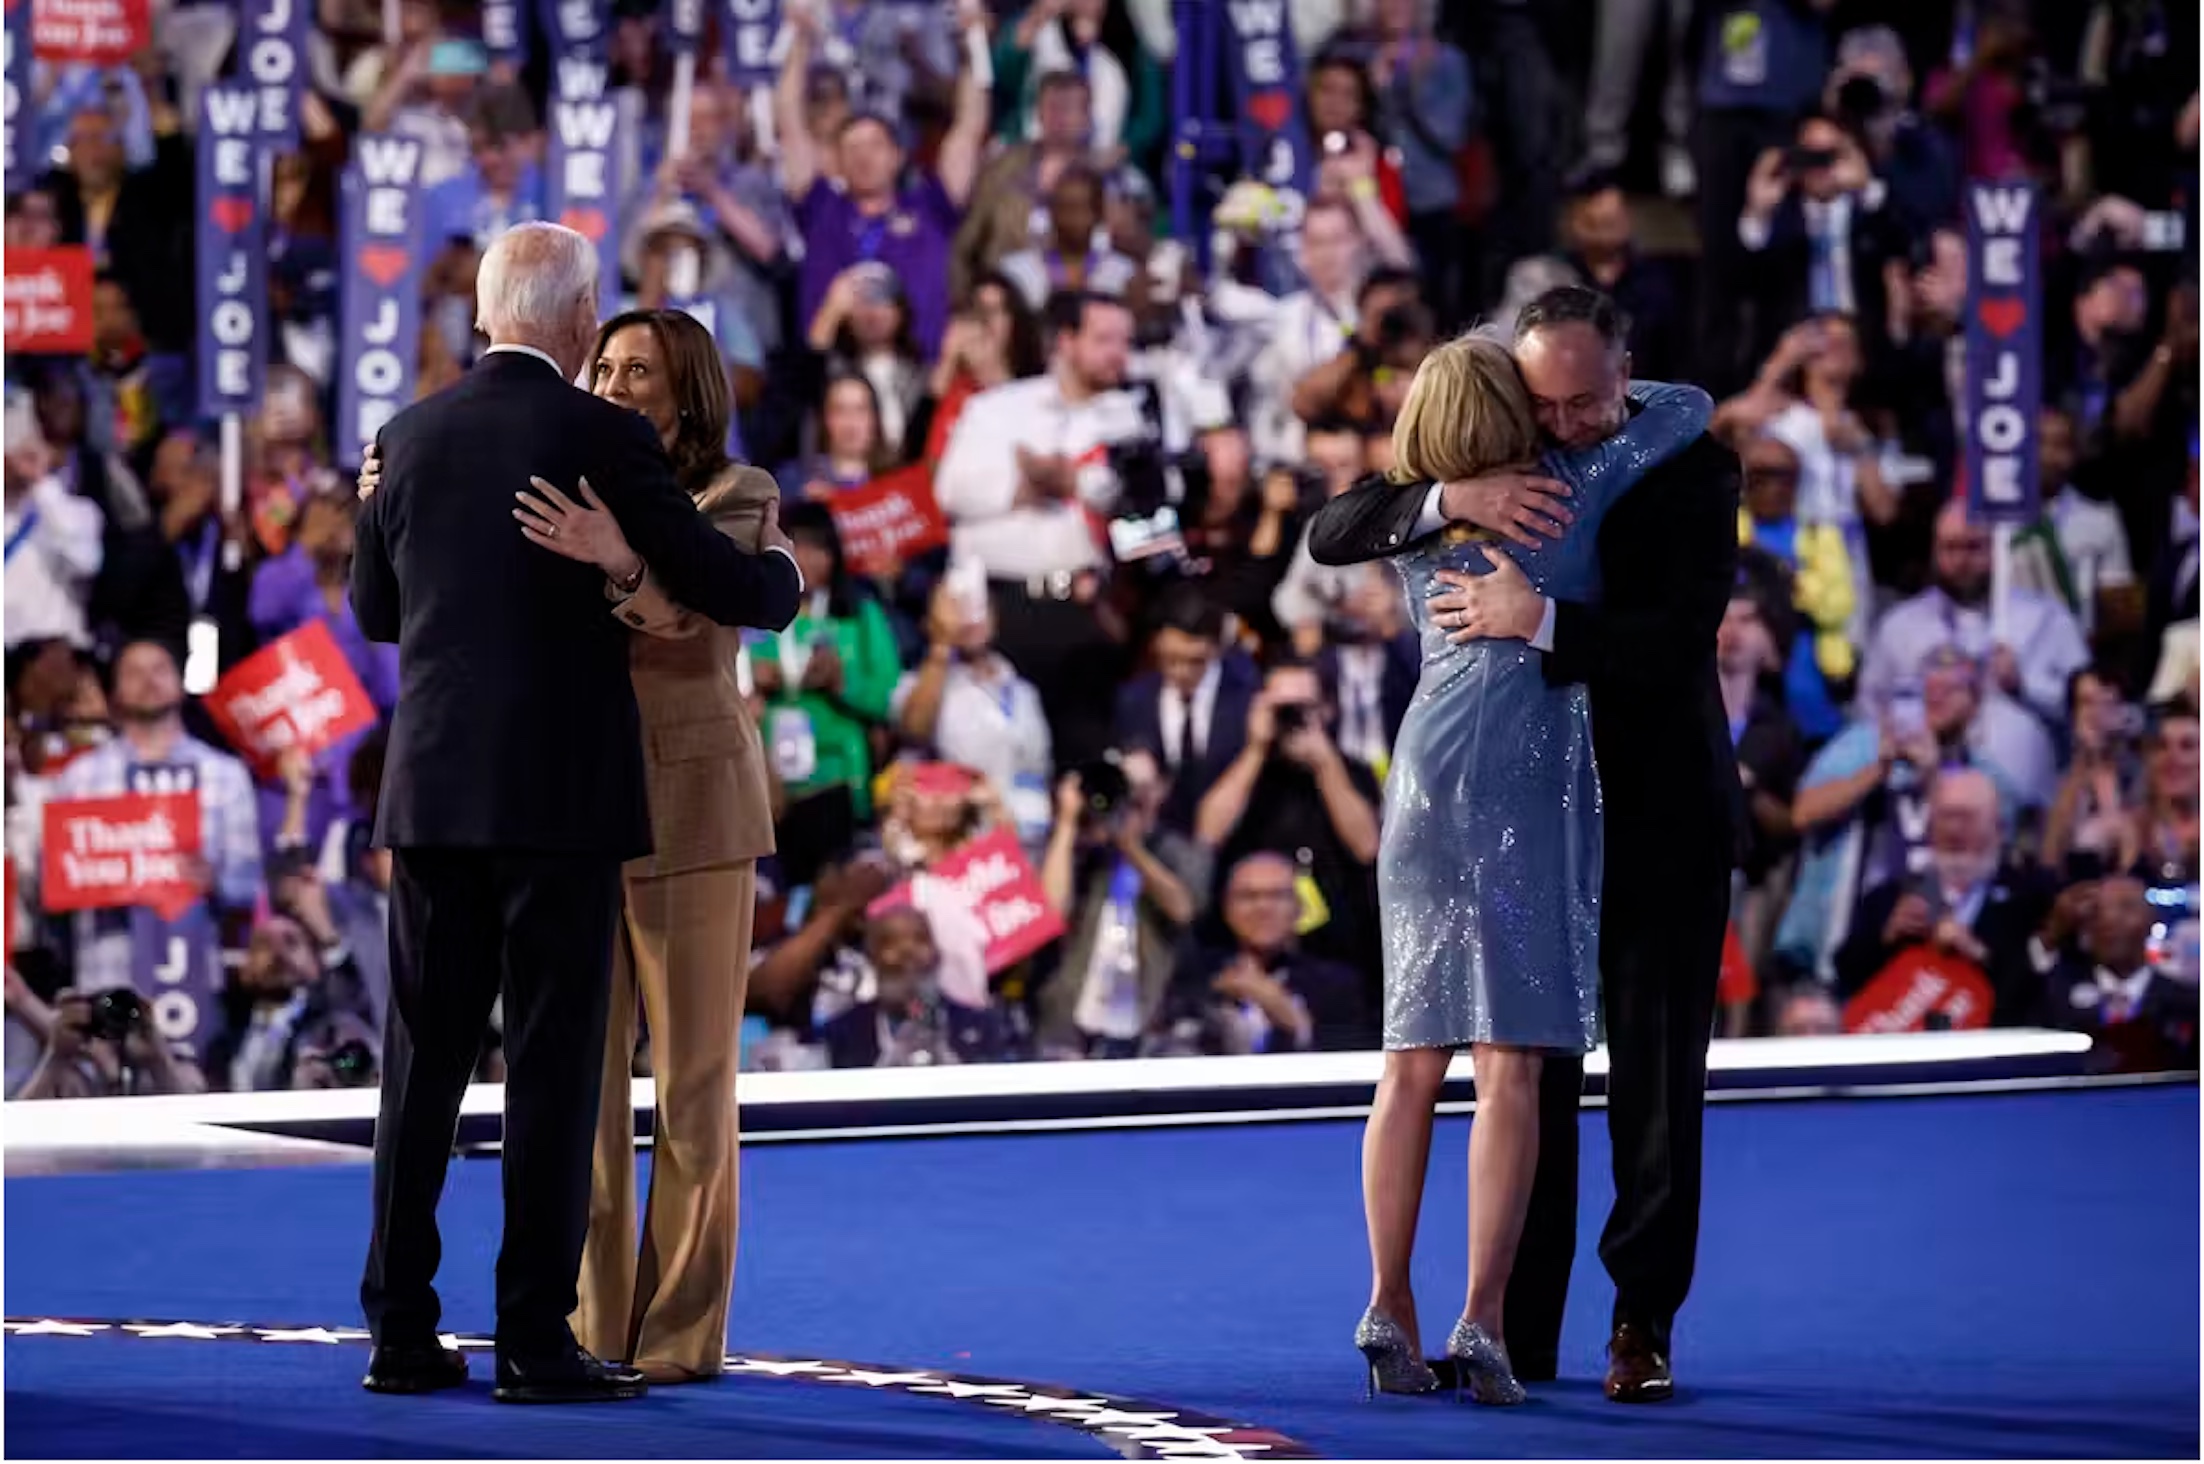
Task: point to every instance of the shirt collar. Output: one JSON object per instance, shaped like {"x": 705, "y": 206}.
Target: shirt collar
{"x": 518, "y": 349}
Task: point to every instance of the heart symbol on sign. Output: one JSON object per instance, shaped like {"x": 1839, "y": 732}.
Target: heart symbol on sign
{"x": 383, "y": 263}
{"x": 2003, "y": 317}
{"x": 1270, "y": 110}
{"x": 231, "y": 213}
{"x": 587, "y": 222}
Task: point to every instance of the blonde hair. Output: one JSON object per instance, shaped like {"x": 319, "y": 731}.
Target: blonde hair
{"x": 1467, "y": 413}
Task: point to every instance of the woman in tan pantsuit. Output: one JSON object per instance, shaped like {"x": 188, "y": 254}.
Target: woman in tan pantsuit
{"x": 684, "y": 946}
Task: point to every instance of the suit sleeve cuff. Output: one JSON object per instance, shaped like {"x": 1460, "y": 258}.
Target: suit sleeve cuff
{"x": 1544, "y": 639}
{"x": 1433, "y": 517}
{"x": 801, "y": 587}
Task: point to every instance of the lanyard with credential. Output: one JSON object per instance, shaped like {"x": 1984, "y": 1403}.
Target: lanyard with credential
{"x": 23, "y": 531}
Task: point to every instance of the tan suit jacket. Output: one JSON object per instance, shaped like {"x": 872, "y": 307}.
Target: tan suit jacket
{"x": 710, "y": 802}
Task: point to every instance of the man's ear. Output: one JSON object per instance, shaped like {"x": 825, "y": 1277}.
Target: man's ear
{"x": 1626, "y": 365}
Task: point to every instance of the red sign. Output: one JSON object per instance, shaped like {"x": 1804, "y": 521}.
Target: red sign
{"x": 102, "y": 32}
{"x": 131, "y": 850}
{"x": 997, "y": 883}
{"x": 1918, "y": 982}
{"x": 298, "y": 692}
{"x": 49, "y": 301}
{"x": 888, "y": 520}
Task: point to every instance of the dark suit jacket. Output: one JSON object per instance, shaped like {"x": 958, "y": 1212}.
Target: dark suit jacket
{"x": 1782, "y": 272}
{"x": 1668, "y": 560}
{"x": 1396, "y": 685}
{"x": 516, "y": 726}
{"x": 1140, "y": 724}
{"x": 2012, "y": 911}
{"x": 149, "y": 239}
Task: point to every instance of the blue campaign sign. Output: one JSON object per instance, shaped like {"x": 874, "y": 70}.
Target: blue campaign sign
{"x": 232, "y": 262}
{"x": 749, "y": 28}
{"x": 381, "y": 244}
{"x": 2004, "y": 351}
{"x": 575, "y": 27}
{"x": 684, "y": 25}
{"x": 581, "y": 190}
{"x": 18, "y": 94}
{"x": 274, "y": 63}
{"x": 1266, "y": 84}
{"x": 505, "y": 31}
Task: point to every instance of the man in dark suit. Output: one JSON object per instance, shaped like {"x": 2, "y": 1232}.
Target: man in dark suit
{"x": 1668, "y": 561}
{"x": 1191, "y": 710}
{"x": 513, "y": 791}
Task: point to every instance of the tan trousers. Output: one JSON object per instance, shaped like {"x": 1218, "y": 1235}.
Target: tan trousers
{"x": 684, "y": 948}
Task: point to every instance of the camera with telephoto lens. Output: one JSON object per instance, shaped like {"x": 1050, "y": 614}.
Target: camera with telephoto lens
{"x": 1290, "y": 717}
{"x": 116, "y": 1013}
{"x": 1103, "y": 785}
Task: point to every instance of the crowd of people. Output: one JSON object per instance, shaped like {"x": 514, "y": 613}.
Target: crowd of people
{"x": 934, "y": 252}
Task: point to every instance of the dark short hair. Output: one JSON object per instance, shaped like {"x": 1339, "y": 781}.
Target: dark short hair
{"x": 1067, "y": 309}
{"x": 1575, "y": 305}
{"x": 1187, "y": 608}
{"x": 1388, "y": 277}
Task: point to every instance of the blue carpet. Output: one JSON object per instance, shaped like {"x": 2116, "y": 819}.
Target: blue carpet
{"x": 1952, "y": 1277}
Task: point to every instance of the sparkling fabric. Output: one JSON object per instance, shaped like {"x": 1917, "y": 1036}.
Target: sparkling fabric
{"x": 1489, "y": 865}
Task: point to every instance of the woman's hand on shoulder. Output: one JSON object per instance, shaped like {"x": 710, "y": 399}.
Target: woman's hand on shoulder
{"x": 585, "y": 532}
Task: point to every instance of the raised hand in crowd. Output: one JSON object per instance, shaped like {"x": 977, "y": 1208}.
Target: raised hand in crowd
{"x": 1910, "y": 920}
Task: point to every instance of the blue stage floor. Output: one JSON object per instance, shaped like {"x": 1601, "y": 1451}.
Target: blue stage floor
{"x": 1924, "y": 1277}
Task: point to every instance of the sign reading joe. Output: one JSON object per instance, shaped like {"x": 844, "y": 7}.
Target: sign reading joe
{"x": 176, "y": 959}
{"x": 233, "y": 264}
{"x": 582, "y": 190}
{"x": 2004, "y": 352}
{"x": 382, "y": 289}
{"x": 275, "y": 58}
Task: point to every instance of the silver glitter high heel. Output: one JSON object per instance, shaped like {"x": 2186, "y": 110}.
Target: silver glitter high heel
{"x": 1481, "y": 1365}
{"x": 1394, "y": 1365}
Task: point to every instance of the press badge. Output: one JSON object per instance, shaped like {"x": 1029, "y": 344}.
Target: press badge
{"x": 795, "y": 748}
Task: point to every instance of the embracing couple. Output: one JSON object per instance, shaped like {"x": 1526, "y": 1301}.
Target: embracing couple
{"x": 554, "y": 671}
{"x": 1559, "y": 830}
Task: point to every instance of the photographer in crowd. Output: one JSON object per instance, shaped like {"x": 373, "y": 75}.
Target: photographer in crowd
{"x": 104, "y": 1045}
{"x": 1126, "y": 889}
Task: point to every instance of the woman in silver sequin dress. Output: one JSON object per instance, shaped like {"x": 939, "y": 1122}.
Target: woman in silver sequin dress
{"x": 1489, "y": 867}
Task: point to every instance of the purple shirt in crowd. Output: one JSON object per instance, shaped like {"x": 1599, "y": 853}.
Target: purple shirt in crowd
{"x": 912, "y": 238}
{"x": 285, "y": 597}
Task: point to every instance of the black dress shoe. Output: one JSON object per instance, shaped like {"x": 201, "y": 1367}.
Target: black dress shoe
{"x": 1637, "y": 1370}
{"x": 414, "y": 1367}
{"x": 565, "y": 1377}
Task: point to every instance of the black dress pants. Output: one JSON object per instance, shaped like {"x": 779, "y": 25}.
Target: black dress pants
{"x": 466, "y": 926}
{"x": 1660, "y": 961}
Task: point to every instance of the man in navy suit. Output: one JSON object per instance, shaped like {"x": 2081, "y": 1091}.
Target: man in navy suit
{"x": 1191, "y": 710}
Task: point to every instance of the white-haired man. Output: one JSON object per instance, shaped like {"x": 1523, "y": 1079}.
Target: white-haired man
{"x": 512, "y": 793}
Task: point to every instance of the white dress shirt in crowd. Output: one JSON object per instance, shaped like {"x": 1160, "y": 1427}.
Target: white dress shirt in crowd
{"x": 2045, "y": 638}
{"x": 978, "y": 480}
{"x": 1305, "y": 332}
{"x": 2092, "y": 541}
{"x": 991, "y": 722}
{"x": 54, "y": 550}
{"x": 1829, "y": 493}
{"x": 1309, "y": 590}
{"x": 1185, "y": 720}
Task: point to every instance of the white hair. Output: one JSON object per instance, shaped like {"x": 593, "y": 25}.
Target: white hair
{"x": 531, "y": 280}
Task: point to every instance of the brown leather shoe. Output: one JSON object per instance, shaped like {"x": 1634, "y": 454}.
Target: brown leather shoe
{"x": 1636, "y": 1370}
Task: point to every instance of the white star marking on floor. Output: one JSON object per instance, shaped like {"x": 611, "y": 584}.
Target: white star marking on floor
{"x": 182, "y": 1329}
{"x": 776, "y": 1369}
{"x": 881, "y": 1379}
{"x": 1039, "y": 1404}
{"x": 307, "y": 1334}
{"x": 950, "y": 1388}
{"x": 56, "y": 1329}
